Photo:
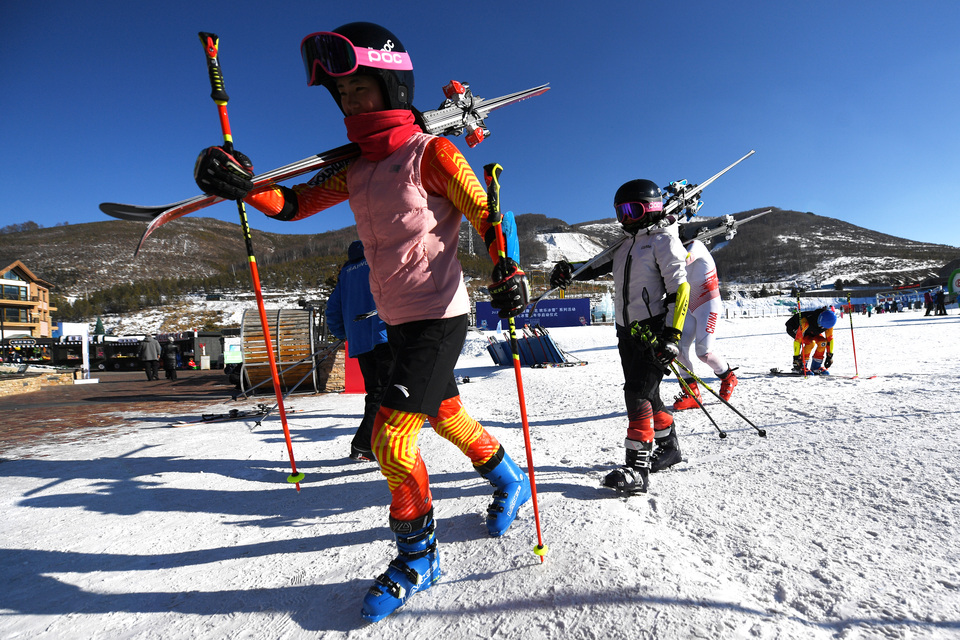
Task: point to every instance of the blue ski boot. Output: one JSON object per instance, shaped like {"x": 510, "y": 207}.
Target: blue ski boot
{"x": 415, "y": 569}
{"x": 512, "y": 491}
{"x": 817, "y": 368}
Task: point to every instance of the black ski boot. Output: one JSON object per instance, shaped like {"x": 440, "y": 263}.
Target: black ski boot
{"x": 633, "y": 477}
{"x": 667, "y": 452}
{"x": 361, "y": 455}
{"x": 797, "y": 364}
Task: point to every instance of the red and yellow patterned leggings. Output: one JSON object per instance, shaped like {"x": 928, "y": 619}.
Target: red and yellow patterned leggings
{"x": 395, "y": 435}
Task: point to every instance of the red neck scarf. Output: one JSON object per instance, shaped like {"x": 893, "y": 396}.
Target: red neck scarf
{"x": 380, "y": 133}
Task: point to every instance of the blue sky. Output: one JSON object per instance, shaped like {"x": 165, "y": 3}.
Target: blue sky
{"x": 852, "y": 107}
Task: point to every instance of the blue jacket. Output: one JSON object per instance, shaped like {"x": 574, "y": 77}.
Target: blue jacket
{"x": 351, "y": 298}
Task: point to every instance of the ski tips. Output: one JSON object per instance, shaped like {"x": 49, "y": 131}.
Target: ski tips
{"x": 126, "y": 211}
{"x": 108, "y": 208}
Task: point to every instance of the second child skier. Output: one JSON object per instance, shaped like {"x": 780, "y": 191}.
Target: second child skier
{"x": 650, "y": 306}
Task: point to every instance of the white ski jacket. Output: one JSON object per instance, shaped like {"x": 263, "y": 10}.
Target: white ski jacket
{"x": 648, "y": 270}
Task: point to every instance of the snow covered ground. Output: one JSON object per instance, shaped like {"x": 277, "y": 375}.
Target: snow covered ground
{"x": 841, "y": 523}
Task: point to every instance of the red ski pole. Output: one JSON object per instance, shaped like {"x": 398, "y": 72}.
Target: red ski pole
{"x": 211, "y": 43}
{"x": 491, "y": 173}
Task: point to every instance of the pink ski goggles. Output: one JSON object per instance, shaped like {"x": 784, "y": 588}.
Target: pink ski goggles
{"x": 634, "y": 212}
{"x": 327, "y": 54}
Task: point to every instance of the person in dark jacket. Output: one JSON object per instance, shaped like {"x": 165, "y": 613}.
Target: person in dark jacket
{"x": 939, "y": 301}
{"x": 149, "y": 355}
{"x": 351, "y": 316}
{"x": 812, "y": 330}
{"x": 170, "y": 353}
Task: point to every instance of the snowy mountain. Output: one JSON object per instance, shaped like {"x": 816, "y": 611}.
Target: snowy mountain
{"x": 779, "y": 249}
{"x": 782, "y": 248}
{"x": 573, "y": 246}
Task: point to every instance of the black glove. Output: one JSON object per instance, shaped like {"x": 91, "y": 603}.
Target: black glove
{"x": 828, "y": 362}
{"x": 509, "y": 292}
{"x": 664, "y": 348}
{"x": 669, "y": 347}
{"x": 560, "y": 277}
{"x": 228, "y": 176}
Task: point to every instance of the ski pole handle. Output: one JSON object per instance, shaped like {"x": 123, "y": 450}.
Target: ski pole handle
{"x": 211, "y": 47}
{"x": 491, "y": 174}
{"x": 211, "y": 42}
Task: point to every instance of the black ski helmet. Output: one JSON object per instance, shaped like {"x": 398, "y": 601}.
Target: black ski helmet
{"x": 375, "y": 51}
{"x": 638, "y": 203}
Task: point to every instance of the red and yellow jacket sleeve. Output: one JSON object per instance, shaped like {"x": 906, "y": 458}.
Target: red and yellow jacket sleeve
{"x": 327, "y": 189}
{"x": 446, "y": 173}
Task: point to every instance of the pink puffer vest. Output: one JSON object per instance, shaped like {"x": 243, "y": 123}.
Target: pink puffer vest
{"x": 409, "y": 238}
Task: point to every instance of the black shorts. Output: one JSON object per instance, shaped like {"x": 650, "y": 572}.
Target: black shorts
{"x": 425, "y": 353}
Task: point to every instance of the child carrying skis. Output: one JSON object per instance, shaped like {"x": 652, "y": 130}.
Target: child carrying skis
{"x": 651, "y": 303}
{"x": 408, "y": 192}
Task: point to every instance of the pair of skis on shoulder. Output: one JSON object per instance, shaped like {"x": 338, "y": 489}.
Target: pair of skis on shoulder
{"x": 683, "y": 198}
{"x": 461, "y": 112}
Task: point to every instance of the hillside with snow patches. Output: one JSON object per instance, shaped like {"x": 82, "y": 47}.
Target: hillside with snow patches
{"x": 573, "y": 247}
{"x": 780, "y": 249}
{"x": 848, "y": 254}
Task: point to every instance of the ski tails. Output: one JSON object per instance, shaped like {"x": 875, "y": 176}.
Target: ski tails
{"x": 462, "y": 112}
